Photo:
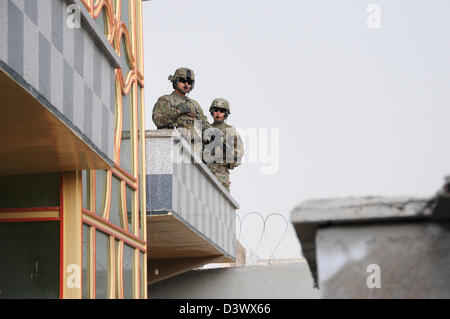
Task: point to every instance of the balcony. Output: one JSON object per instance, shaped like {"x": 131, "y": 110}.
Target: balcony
{"x": 190, "y": 216}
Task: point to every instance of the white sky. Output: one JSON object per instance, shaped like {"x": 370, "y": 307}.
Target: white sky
{"x": 360, "y": 111}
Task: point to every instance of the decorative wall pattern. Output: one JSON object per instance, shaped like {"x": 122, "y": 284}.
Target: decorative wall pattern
{"x": 64, "y": 67}
{"x": 122, "y": 26}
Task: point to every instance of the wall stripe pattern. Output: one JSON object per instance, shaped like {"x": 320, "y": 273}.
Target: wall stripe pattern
{"x": 64, "y": 65}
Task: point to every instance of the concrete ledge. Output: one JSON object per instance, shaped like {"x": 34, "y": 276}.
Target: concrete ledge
{"x": 359, "y": 210}
{"x": 311, "y": 215}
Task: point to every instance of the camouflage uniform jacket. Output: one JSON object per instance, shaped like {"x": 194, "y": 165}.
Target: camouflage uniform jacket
{"x": 165, "y": 114}
{"x": 230, "y": 141}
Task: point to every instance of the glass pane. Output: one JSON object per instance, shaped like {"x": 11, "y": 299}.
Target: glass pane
{"x": 126, "y": 102}
{"x": 140, "y": 160}
{"x": 29, "y": 260}
{"x": 139, "y": 218}
{"x": 100, "y": 189}
{"x": 126, "y": 156}
{"x": 22, "y": 191}
{"x": 128, "y": 257}
{"x": 101, "y": 265}
{"x": 116, "y": 207}
{"x": 86, "y": 189}
{"x": 118, "y": 274}
{"x": 142, "y": 269}
{"x": 130, "y": 197}
{"x": 85, "y": 274}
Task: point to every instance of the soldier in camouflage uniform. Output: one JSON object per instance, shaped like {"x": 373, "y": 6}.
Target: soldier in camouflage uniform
{"x": 226, "y": 149}
{"x": 176, "y": 110}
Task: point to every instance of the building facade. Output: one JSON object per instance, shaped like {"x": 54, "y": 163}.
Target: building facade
{"x": 71, "y": 167}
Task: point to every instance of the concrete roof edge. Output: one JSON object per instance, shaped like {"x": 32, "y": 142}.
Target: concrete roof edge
{"x": 364, "y": 209}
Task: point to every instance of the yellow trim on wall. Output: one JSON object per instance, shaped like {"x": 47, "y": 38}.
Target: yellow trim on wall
{"x": 72, "y": 239}
{"x": 123, "y": 206}
{"x": 113, "y": 232}
{"x": 120, "y": 270}
{"x": 124, "y": 83}
{"x": 142, "y": 188}
{"x": 91, "y": 263}
{"x": 136, "y": 284}
{"x": 92, "y": 190}
{"x": 112, "y": 268}
{"x": 26, "y": 215}
{"x": 145, "y": 280}
{"x": 107, "y": 198}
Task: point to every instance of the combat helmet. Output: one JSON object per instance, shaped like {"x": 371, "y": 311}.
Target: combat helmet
{"x": 182, "y": 73}
{"x": 221, "y": 103}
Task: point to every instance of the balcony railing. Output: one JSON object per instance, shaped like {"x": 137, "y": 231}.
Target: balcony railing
{"x": 180, "y": 185}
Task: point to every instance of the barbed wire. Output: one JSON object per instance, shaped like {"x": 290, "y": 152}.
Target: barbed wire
{"x": 264, "y": 234}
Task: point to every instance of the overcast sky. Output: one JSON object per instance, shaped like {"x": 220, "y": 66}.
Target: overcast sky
{"x": 359, "y": 111}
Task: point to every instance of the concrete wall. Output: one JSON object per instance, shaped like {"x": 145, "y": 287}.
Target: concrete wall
{"x": 284, "y": 281}
{"x": 312, "y": 215}
{"x": 414, "y": 260}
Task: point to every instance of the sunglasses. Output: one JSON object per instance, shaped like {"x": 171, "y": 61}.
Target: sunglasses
{"x": 184, "y": 80}
{"x": 219, "y": 109}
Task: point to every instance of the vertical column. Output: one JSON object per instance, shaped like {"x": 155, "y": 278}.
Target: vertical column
{"x": 91, "y": 263}
{"x": 142, "y": 189}
{"x": 72, "y": 239}
{"x": 136, "y": 275}
{"x": 114, "y": 270}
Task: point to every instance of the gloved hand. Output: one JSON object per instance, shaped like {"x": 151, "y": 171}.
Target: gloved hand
{"x": 183, "y": 108}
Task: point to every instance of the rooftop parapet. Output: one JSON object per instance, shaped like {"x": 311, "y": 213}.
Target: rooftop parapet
{"x": 312, "y": 215}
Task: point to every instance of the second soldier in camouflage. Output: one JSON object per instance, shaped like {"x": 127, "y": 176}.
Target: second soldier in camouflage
{"x": 226, "y": 149}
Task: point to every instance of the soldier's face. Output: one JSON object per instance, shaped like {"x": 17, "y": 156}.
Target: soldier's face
{"x": 219, "y": 116}
{"x": 183, "y": 88}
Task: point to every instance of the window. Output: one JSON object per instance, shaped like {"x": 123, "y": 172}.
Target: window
{"x": 142, "y": 277}
{"x": 100, "y": 191}
{"x": 29, "y": 260}
{"x": 130, "y": 205}
{"x": 102, "y": 251}
{"x": 128, "y": 260}
{"x": 86, "y": 260}
{"x": 86, "y": 180}
{"x": 115, "y": 213}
